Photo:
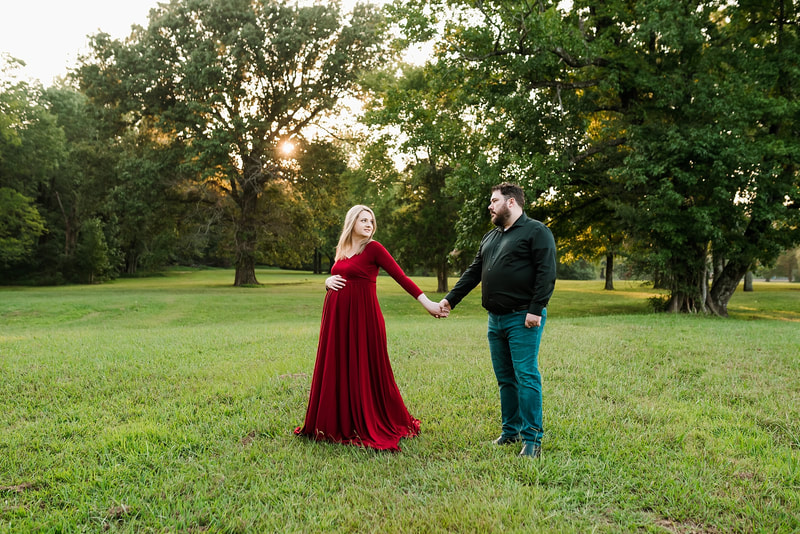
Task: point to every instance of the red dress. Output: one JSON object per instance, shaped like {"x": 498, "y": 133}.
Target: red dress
{"x": 354, "y": 398}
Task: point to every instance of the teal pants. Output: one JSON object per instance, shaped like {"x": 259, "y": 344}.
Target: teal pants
{"x": 515, "y": 358}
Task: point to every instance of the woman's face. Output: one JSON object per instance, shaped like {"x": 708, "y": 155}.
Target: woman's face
{"x": 364, "y": 226}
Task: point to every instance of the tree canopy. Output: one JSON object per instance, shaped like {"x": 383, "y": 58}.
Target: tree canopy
{"x": 675, "y": 122}
{"x": 230, "y": 80}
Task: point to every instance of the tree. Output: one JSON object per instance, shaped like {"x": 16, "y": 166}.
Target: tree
{"x": 149, "y": 201}
{"x": 423, "y": 221}
{"x": 681, "y": 117}
{"x": 418, "y": 116}
{"x": 764, "y": 48}
{"x": 786, "y": 265}
{"x": 31, "y": 142}
{"x": 32, "y": 146}
{"x": 322, "y": 168}
{"x": 12, "y": 104}
{"x": 232, "y": 79}
{"x": 78, "y": 190}
{"x": 92, "y": 252}
{"x": 20, "y": 227}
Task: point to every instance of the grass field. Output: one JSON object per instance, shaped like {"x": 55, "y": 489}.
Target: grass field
{"x": 167, "y": 404}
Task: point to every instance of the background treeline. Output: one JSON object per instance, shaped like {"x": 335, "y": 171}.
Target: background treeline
{"x": 665, "y": 135}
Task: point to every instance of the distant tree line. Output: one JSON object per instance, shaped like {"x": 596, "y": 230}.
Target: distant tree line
{"x": 664, "y": 134}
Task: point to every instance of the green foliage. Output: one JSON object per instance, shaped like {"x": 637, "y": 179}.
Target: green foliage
{"x": 55, "y": 154}
{"x": 423, "y": 218}
{"x": 577, "y": 270}
{"x": 157, "y": 216}
{"x": 20, "y": 227}
{"x": 321, "y": 180}
{"x": 79, "y": 191}
{"x": 92, "y": 254}
{"x": 12, "y": 103}
{"x": 230, "y": 80}
{"x": 427, "y": 110}
{"x": 662, "y": 130}
{"x": 786, "y": 265}
{"x": 31, "y": 143}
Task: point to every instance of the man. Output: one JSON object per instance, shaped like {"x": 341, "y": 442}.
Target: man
{"x": 516, "y": 264}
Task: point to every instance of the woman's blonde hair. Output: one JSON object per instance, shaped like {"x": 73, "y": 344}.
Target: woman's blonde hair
{"x": 347, "y": 231}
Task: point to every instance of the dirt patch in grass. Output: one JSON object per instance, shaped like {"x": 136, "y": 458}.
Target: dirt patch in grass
{"x": 19, "y": 488}
{"x": 249, "y": 438}
{"x": 684, "y": 527}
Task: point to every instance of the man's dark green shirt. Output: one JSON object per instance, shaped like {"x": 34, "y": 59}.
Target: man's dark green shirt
{"x": 517, "y": 269}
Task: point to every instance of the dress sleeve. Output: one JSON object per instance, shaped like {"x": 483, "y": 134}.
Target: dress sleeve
{"x": 385, "y": 261}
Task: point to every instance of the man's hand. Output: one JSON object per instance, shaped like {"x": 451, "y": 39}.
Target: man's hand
{"x": 532, "y": 320}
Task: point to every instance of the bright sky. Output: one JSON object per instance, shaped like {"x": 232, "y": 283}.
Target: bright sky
{"x": 48, "y": 35}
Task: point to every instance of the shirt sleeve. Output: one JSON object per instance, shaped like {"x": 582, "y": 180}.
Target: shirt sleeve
{"x": 386, "y": 262}
{"x": 544, "y": 259}
{"x": 467, "y": 282}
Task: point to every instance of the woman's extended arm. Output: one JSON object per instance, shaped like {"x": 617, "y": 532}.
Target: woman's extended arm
{"x": 387, "y": 263}
{"x": 433, "y": 307}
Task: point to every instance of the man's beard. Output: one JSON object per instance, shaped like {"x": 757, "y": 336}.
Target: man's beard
{"x": 501, "y": 217}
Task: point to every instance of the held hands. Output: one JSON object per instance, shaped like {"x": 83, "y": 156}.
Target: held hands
{"x": 444, "y": 307}
{"x": 335, "y": 282}
{"x": 433, "y": 308}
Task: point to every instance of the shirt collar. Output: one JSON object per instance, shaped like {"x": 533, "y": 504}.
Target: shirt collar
{"x": 519, "y": 222}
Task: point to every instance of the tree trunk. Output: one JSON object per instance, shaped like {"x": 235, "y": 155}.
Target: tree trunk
{"x": 609, "y": 272}
{"x": 719, "y": 266}
{"x": 245, "y": 258}
{"x": 71, "y": 227}
{"x": 748, "y": 281}
{"x": 723, "y": 289}
{"x": 317, "y": 262}
{"x": 704, "y": 287}
{"x": 131, "y": 263}
{"x": 245, "y": 236}
{"x": 245, "y": 272}
{"x": 246, "y": 232}
{"x": 688, "y": 282}
{"x": 681, "y": 302}
{"x": 441, "y": 277}
{"x": 734, "y": 269}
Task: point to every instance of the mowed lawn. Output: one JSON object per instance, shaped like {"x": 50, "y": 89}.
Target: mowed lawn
{"x": 167, "y": 404}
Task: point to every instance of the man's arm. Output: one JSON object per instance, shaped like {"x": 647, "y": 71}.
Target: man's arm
{"x": 544, "y": 264}
{"x": 468, "y": 281}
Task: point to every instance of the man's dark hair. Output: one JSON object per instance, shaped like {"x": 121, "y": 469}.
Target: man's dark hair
{"x": 511, "y": 191}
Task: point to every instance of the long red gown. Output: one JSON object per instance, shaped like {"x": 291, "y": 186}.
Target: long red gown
{"x": 354, "y": 398}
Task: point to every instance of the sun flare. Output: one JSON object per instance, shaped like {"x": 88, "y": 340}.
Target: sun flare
{"x": 287, "y": 148}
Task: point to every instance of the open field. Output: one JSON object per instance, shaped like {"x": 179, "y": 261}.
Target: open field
{"x": 167, "y": 404}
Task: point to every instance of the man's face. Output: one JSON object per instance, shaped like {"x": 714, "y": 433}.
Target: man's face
{"x": 498, "y": 209}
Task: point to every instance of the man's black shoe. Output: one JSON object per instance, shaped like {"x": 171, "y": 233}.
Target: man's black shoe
{"x": 505, "y": 440}
{"x": 530, "y": 450}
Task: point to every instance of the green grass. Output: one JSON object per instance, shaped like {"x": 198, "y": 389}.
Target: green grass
{"x": 167, "y": 405}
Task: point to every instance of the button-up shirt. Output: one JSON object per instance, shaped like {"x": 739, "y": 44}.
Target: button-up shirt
{"x": 517, "y": 269}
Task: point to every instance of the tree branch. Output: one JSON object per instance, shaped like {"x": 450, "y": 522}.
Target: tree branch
{"x": 563, "y": 85}
{"x": 567, "y": 58}
{"x": 596, "y": 149}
